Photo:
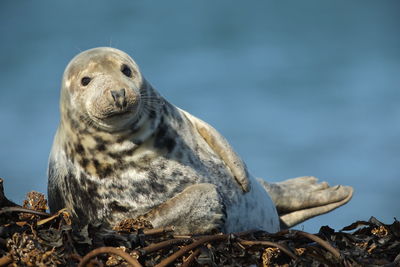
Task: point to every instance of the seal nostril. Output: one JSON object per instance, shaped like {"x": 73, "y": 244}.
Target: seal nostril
{"x": 114, "y": 95}
{"x": 124, "y": 103}
{"x": 119, "y": 97}
{"x": 118, "y": 94}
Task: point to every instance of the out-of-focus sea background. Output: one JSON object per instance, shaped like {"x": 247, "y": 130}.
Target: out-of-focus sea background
{"x": 297, "y": 87}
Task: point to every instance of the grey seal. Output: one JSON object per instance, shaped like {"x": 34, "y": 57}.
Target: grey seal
{"x": 122, "y": 151}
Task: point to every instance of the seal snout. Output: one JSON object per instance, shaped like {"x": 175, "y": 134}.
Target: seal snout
{"x": 119, "y": 98}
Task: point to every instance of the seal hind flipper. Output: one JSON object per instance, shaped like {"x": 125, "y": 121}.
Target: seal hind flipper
{"x": 293, "y": 218}
{"x": 223, "y": 149}
{"x": 299, "y": 199}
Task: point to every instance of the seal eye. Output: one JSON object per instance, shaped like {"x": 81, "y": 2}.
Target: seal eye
{"x": 85, "y": 80}
{"x": 126, "y": 70}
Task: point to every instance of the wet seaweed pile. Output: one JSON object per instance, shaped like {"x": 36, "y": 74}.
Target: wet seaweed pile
{"x": 31, "y": 237}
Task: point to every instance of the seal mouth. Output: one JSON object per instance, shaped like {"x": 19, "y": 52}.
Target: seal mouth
{"x": 114, "y": 114}
{"x": 113, "y": 119}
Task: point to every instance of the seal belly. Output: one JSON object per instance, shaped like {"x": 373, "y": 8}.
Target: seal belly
{"x": 252, "y": 210}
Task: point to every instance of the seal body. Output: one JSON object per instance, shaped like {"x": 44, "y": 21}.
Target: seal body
{"x": 142, "y": 154}
{"x": 123, "y": 151}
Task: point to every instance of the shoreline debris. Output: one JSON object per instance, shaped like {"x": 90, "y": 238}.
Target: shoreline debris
{"x": 31, "y": 237}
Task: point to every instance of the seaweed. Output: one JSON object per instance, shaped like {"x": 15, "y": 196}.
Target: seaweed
{"x": 29, "y": 236}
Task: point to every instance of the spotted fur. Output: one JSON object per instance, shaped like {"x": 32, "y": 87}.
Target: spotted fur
{"x": 146, "y": 163}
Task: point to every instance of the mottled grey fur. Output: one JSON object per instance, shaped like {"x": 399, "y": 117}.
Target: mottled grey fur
{"x": 123, "y": 151}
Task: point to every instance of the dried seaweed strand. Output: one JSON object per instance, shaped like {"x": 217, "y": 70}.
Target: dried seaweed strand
{"x": 109, "y": 250}
{"x": 270, "y": 244}
{"x": 395, "y": 263}
{"x": 24, "y": 210}
{"x": 323, "y": 243}
{"x": 191, "y": 258}
{"x": 5, "y": 260}
{"x": 4, "y": 202}
{"x": 52, "y": 217}
{"x": 95, "y": 262}
{"x": 157, "y": 231}
{"x": 75, "y": 257}
{"x": 163, "y": 244}
{"x": 192, "y": 246}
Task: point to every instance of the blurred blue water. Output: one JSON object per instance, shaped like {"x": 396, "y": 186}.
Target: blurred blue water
{"x": 298, "y": 88}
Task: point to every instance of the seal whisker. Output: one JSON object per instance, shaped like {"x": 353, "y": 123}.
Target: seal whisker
{"x": 77, "y": 48}
{"x": 89, "y": 122}
{"x": 152, "y": 102}
{"x": 148, "y": 110}
{"x": 149, "y": 106}
{"x": 150, "y": 97}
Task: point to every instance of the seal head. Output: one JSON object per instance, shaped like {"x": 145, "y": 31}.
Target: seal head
{"x": 103, "y": 86}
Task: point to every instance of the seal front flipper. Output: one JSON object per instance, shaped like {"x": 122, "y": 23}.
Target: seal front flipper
{"x": 197, "y": 209}
{"x": 223, "y": 149}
